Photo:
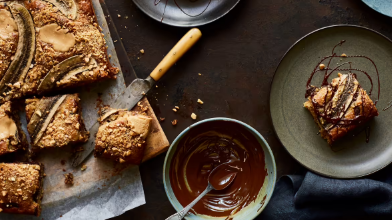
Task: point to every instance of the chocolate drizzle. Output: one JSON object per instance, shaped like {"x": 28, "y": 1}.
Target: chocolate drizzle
{"x": 156, "y": 2}
{"x": 338, "y": 99}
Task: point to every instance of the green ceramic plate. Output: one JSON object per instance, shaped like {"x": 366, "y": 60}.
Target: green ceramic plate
{"x": 351, "y": 157}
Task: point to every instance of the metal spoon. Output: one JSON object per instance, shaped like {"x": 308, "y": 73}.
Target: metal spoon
{"x": 219, "y": 178}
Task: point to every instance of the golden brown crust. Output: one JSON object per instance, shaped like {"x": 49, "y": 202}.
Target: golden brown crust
{"x": 360, "y": 106}
{"x": 121, "y": 136}
{"x": 65, "y": 128}
{"x": 21, "y": 188}
{"x": 15, "y": 142}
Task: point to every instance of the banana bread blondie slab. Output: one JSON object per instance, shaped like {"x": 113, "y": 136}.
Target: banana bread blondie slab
{"x": 55, "y": 121}
{"x": 21, "y": 188}
{"x": 60, "y": 45}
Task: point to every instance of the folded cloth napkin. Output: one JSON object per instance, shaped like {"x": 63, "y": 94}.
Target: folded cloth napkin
{"x": 311, "y": 196}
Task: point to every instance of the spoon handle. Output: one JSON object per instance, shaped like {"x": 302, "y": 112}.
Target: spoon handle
{"x": 180, "y": 215}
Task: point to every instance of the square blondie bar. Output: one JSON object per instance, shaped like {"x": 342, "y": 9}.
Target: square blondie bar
{"x": 340, "y": 107}
{"x": 21, "y": 188}
{"x": 121, "y": 135}
{"x": 55, "y": 121}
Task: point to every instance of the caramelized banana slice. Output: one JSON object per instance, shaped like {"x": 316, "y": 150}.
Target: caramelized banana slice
{"x": 65, "y": 70}
{"x": 43, "y": 116}
{"x": 67, "y": 7}
{"x": 18, "y": 68}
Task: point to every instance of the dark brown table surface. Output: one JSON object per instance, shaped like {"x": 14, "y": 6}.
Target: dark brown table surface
{"x": 237, "y": 57}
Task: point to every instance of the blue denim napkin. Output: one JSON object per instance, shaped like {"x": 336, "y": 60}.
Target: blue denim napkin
{"x": 311, "y": 196}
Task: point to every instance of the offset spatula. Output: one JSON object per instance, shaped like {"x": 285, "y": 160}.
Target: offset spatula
{"x": 139, "y": 87}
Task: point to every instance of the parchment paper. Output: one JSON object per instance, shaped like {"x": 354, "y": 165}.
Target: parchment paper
{"x": 105, "y": 189}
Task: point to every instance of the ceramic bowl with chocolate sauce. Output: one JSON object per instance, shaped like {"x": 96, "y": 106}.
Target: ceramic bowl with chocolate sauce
{"x": 205, "y": 145}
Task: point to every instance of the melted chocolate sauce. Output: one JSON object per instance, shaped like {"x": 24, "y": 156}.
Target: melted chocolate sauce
{"x": 208, "y": 146}
{"x": 156, "y": 2}
{"x": 338, "y": 112}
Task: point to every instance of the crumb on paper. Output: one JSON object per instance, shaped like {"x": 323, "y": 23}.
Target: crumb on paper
{"x": 176, "y": 107}
{"x": 174, "y": 122}
{"x": 69, "y": 179}
{"x": 142, "y": 51}
{"x": 84, "y": 167}
{"x": 344, "y": 55}
{"x": 161, "y": 119}
{"x": 193, "y": 116}
{"x": 322, "y": 66}
{"x": 200, "y": 102}
{"x": 174, "y": 110}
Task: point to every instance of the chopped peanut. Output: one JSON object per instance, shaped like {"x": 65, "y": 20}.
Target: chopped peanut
{"x": 200, "y": 102}
{"x": 322, "y": 66}
{"x": 193, "y": 116}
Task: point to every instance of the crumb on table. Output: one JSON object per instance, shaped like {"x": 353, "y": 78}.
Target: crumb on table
{"x": 193, "y": 116}
{"x": 174, "y": 122}
{"x": 69, "y": 179}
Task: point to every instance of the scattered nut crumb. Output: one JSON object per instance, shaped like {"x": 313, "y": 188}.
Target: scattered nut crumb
{"x": 143, "y": 93}
{"x": 174, "y": 122}
{"x": 344, "y": 55}
{"x": 84, "y": 167}
{"x": 69, "y": 179}
{"x": 200, "y": 102}
{"x": 174, "y": 110}
{"x": 193, "y": 116}
{"x": 142, "y": 51}
{"x": 176, "y": 107}
{"x": 161, "y": 119}
{"x": 322, "y": 66}
{"x": 121, "y": 160}
{"x": 199, "y": 74}
{"x": 156, "y": 86}
{"x": 119, "y": 15}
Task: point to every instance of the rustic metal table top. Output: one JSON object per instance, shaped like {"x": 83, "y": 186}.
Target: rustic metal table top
{"x": 237, "y": 57}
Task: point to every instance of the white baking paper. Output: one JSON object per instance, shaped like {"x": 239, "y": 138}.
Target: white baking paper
{"x": 105, "y": 189}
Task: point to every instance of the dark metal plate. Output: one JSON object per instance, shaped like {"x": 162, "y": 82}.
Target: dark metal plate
{"x": 186, "y": 13}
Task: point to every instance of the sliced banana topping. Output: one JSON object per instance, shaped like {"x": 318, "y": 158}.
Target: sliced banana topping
{"x": 8, "y": 26}
{"x": 7, "y": 128}
{"x": 43, "y": 115}
{"x": 59, "y": 38}
{"x": 25, "y": 51}
{"x": 65, "y": 70}
{"x": 67, "y": 7}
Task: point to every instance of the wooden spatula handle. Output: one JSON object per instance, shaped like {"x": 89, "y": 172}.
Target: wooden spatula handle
{"x": 176, "y": 53}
